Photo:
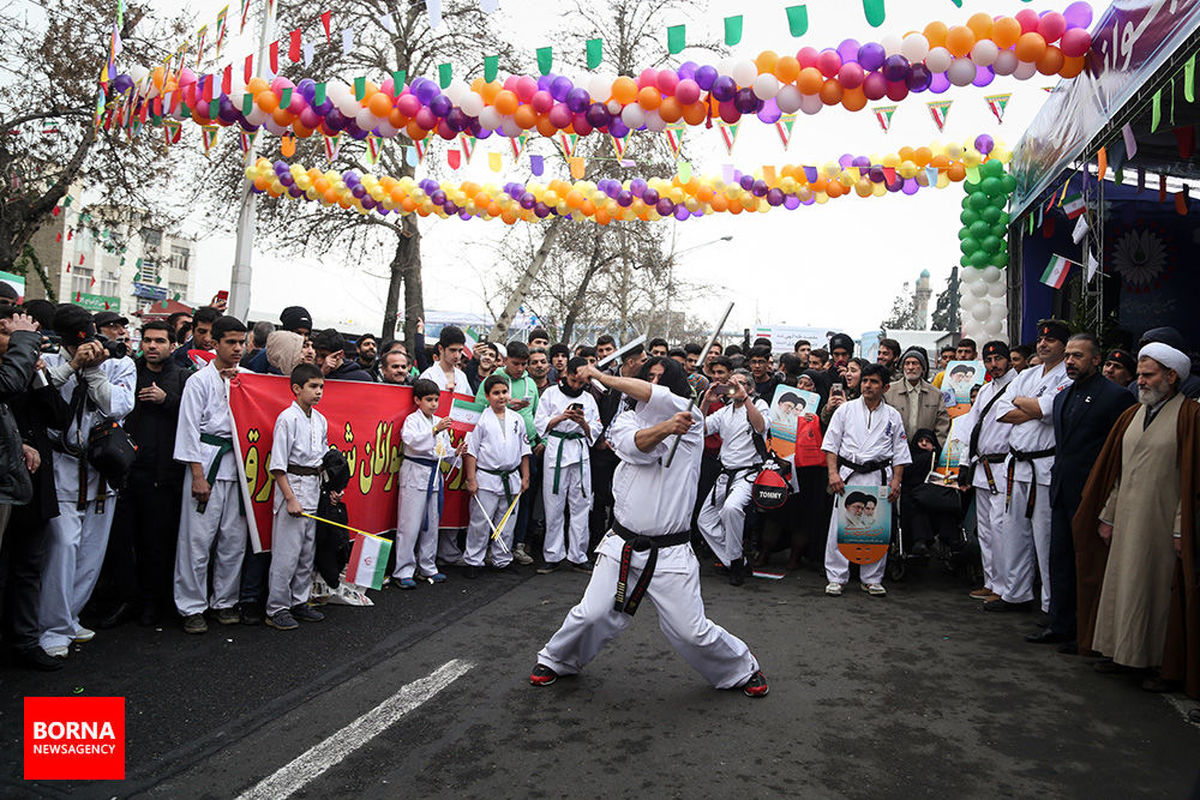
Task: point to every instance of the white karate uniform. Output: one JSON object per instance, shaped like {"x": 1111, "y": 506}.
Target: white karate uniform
{"x": 495, "y": 444}
{"x": 574, "y": 474}
{"x": 79, "y": 537}
{"x": 204, "y": 408}
{"x": 437, "y": 375}
{"x": 1024, "y": 539}
{"x": 653, "y": 500}
{"x": 722, "y": 518}
{"x": 419, "y": 500}
{"x": 861, "y": 435}
{"x": 989, "y": 505}
{"x": 300, "y": 440}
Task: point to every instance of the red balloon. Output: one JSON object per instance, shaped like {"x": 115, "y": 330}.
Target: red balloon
{"x": 875, "y": 86}
{"x": 897, "y": 90}
{"x": 1076, "y": 42}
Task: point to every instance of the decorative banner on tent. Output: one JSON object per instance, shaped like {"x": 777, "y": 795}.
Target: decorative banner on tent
{"x": 173, "y": 129}
{"x": 729, "y": 134}
{"x": 364, "y": 424}
{"x": 998, "y": 103}
{"x": 940, "y": 110}
{"x": 784, "y": 128}
{"x": 884, "y": 115}
{"x": 619, "y": 143}
{"x": 567, "y": 142}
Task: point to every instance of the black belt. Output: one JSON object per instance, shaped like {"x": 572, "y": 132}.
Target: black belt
{"x": 987, "y": 459}
{"x": 879, "y": 466}
{"x": 731, "y": 473}
{"x": 642, "y": 544}
{"x": 1018, "y": 455}
{"x": 296, "y": 469}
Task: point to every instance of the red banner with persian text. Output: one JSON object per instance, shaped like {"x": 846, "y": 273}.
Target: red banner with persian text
{"x": 364, "y": 424}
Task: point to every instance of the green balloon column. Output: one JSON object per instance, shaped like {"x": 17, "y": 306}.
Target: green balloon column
{"x": 983, "y": 240}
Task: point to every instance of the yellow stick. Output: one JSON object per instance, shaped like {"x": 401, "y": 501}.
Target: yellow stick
{"x": 340, "y": 525}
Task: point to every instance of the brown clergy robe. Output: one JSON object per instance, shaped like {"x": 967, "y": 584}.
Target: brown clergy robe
{"x": 1138, "y": 602}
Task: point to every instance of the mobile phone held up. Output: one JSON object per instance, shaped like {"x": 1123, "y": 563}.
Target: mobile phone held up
{"x": 575, "y": 407}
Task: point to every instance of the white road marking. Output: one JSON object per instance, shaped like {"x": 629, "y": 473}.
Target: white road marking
{"x": 319, "y": 758}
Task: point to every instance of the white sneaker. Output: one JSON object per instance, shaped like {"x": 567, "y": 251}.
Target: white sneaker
{"x": 874, "y": 589}
{"x": 83, "y": 635}
{"x": 521, "y": 556}
{"x": 833, "y": 589}
{"x": 57, "y": 652}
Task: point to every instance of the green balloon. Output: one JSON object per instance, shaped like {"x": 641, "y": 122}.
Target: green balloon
{"x": 993, "y": 169}
{"x": 1004, "y": 219}
{"x": 972, "y": 188}
{"x": 990, "y": 244}
{"x": 992, "y": 187}
{"x": 964, "y": 233}
{"x": 1010, "y": 183}
{"x": 990, "y": 215}
{"x": 968, "y": 217}
{"x": 979, "y": 200}
{"x": 969, "y": 246}
{"x": 980, "y": 229}
{"x": 999, "y": 231}
{"x": 965, "y": 261}
{"x": 1000, "y": 260}
{"x": 980, "y": 258}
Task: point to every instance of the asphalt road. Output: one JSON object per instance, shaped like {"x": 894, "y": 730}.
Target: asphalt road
{"x": 918, "y": 694}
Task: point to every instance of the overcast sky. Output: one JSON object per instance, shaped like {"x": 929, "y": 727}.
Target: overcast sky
{"x": 838, "y": 265}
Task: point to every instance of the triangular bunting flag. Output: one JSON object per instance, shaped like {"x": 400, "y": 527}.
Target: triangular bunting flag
{"x": 998, "y": 103}
{"x": 518, "y": 145}
{"x": 884, "y": 115}
{"x": 468, "y": 146}
{"x": 784, "y": 128}
{"x": 674, "y": 135}
{"x": 619, "y": 144}
{"x": 208, "y": 134}
{"x": 331, "y": 146}
{"x": 729, "y": 135}
{"x": 247, "y": 140}
{"x": 372, "y": 153}
{"x": 940, "y": 110}
{"x": 419, "y": 146}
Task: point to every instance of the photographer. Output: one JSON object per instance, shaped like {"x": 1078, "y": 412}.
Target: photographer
{"x": 98, "y": 380}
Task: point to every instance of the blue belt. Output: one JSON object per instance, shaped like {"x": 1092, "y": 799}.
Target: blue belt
{"x": 434, "y": 472}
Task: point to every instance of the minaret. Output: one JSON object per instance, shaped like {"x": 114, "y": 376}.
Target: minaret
{"x": 921, "y": 300}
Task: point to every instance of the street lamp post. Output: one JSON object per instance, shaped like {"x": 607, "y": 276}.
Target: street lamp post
{"x": 671, "y": 273}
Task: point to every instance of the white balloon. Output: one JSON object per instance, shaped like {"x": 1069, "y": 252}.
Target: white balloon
{"x": 600, "y": 88}
{"x": 456, "y": 91}
{"x": 633, "y": 116}
{"x": 257, "y": 116}
{"x": 365, "y": 119}
{"x": 978, "y": 289}
{"x": 997, "y": 289}
{"x": 654, "y": 122}
{"x": 1025, "y": 70}
{"x": 336, "y": 89}
{"x": 744, "y": 72}
{"x": 490, "y": 118}
{"x": 984, "y": 52}
{"x": 992, "y": 274}
{"x": 386, "y": 129}
{"x": 510, "y": 128}
{"x": 766, "y": 86}
{"x": 348, "y": 105}
{"x": 726, "y": 66}
{"x": 993, "y": 326}
{"x": 789, "y": 98}
{"x": 1006, "y": 62}
{"x": 981, "y": 311}
{"x": 961, "y": 72}
{"x": 892, "y": 44}
{"x": 811, "y": 103}
{"x": 237, "y": 87}
{"x": 938, "y": 60}
{"x": 273, "y": 126}
{"x": 472, "y": 104}
{"x": 914, "y": 47}
{"x": 138, "y": 73}
{"x": 971, "y": 275}
{"x": 614, "y": 106}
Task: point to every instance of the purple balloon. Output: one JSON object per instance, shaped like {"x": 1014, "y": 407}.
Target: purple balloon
{"x": 759, "y": 188}
{"x": 862, "y": 162}
{"x": 287, "y": 180}
{"x": 441, "y": 105}
{"x": 939, "y": 83}
{"x": 324, "y": 108}
{"x": 681, "y": 212}
{"x": 308, "y": 88}
{"x": 705, "y": 76}
{"x": 775, "y": 197}
{"x": 791, "y": 202}
{"x": 746, "y": 182}
{"x": 746, "y": 101}
{"x": 687, "y": 70}
{"x": 896, "y": 68}
{"x": 426, "y": 91}
{"x": 438, "y": 197}
{"x": 541, "y": 210}
{"x": 578, "y": 99}
{"x": 919, "y": 78}
{"x": 848, "y": 50}
{"x": 457, "y": 120}
{"x": 724, "y": 88}
{"x": 1078, "y": 15}
{"x": 846, "y": 160}
{"x": 528, "y": 201}
{"x": 650, "y": 197}
{"x": 597, "y": 115}
{"x": 871, "y": 56}
{"x": 896, "y": 185}
{"x": 618, "y": 128}
{"x": 664, "y": 207}
{"x": 625, "y": 199}
{"x": 367, "y": 202}
{"x": 121, "y": 84}
{"x": 356, "y": 133}
{"x": 984, "y": 143}
{"x": 637, "y": 186}
{"x": 770, "y": 112}
{"x": 544, "y": 82}
{"x": 296, "y": 191}
{"x": 910, "y": 186}
{"x": 560, "y": 87}
{"x": 984, "y": 76}
{"x": 876, "y": 174}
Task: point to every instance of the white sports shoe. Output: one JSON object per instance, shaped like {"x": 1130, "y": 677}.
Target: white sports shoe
{"x": 833, "y": 589}
{"x": 58, "y": 652}
{"x": 521, "y": 556}
{"x": 84, "y": 635}
{"x": 874, "y": 589}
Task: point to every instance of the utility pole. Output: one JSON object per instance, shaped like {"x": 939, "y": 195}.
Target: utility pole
{"x": 239, "y": 281}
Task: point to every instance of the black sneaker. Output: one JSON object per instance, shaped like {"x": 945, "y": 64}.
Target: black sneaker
{"x": 252, "y": 614}
{"x": 542, "y": 675}
{"x": 549, "y": 567}
{"x": 37, "y": 658}
{"x": 194, "y": 623}
{"x": 282, "y": 621}
{"x": 756, "y": 686}
{"x": 585, "y": 568}
{"x": 229, "y": 616}
{"x": 737, "y": 572}
{"x": 306, "y": 613}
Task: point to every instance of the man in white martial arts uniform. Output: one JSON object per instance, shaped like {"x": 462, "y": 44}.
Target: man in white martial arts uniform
{"x": 496, "y": 470}
{"x": 426, "y": 441}
{"x": 567, "y": 419}
{"x": 865, "y": 445}
{"x": 100, "y": 386}
{"x": 649, "y": 548}
{"x": 213, "y": 508}
{"x": 298, "y": 444}
{"x": 446, "y": 373}
{"x": 722, "y": 517}
{"x": 985, "y": 440}
{"x": 1028, "y": 408}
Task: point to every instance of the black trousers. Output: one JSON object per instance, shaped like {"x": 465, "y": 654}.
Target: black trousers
{"x": 1062, "y": 571}
{"x": 140, "y": 561}
{"x": 21, "y": 557}
{"x": 600, "y": 517}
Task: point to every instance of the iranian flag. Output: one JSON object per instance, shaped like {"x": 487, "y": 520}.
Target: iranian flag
{"x": 1056, "y": 272}
{"x": 464, "y": 412}
{"x": 1074, "y": 205}
{"x": 368, "y": 560}
{"x": 472, "y": 337}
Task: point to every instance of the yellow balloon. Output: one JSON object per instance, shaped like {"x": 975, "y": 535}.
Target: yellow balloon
{"x": 821, "y": 198}
{"x": 891, "y": 160}
{"x": 879, "y": 189}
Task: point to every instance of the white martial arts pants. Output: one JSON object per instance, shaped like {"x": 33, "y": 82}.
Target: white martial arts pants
{"x": 415, "y": 548}
{"x": 572, "y": 492}
{"x": 293, "y": 545}
{"x": 479, "y": 534}
{"x": 223, "y": 523}
{"x": 448, "y": 550}
{"x": 989, "y": 517}
{"x": 722, "y": 519}
{"x": 74, "y": 554}
{"x": 837, "y": 566}
{"x": 723, "y": 659}
{"x": 1022, "y": 541}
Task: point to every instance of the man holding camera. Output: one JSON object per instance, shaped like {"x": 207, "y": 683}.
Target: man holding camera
{"x": 98, "y": 381}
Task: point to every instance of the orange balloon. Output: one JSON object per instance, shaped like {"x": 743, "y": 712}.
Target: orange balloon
{"x": 922, "y": 156}
{"x": 1005, "y": 32}
{"x": 380, "y": 104}
{"x": 719, "y": 203}
{"x": 831, "y": 92}
{"x": 575, "y": 199}
{"x": 526, "y": 117}
{"x": 493, "y": 210}
{"x": 906, "y": 153}
{"x": 1072, "y": 66}
{"x": 819, "y": 185}
{"x": 810, "y": 80}
{"x": 624, "y": 90}
{"x": 507, "y": 102}
{"x": 959, "y": 40}
{"x": 396, "y": 119}
{"x": 981, "y": 25}
{"x": 649, "y": 98}
{"x": 696, "y": 113}
{"x": 490, "y": 91}
{"x": 1031, "y": 47}
{"x": 936, "y": 32}
{"x": 477, "y": 85}
{"x": 321, "y": 185}
{"x": 671, "y": 110}
{"x": 1051, "y": 61}
{"x": 735, "y": 206}
{"x": 957, "y": 172}
{"x": 835, "y": 189}
{"x": 941, "y": 162}
{"x": 256, "y": 85}
{"x": 267, "y": 101}
{"x": 787, "y": 69}
{"x": 283, "y": 117}
{"x": 301, "y": 131}
{"x": 261, "y": 183}
{"x": 603, "y": 217}
{"x": 704, "y": 194}
{"x": 396, "y": 193}
{"x": 408, "y": 204}
{"x": 331, "y": 196}
{"x": 545, "y": 126}
{"x": 766, "y": 62}
{"x": 415, "y": 131}
{"x": 370, "y": 90}
{"x": 854, "y": 99}
{"x": 587, "y": 208}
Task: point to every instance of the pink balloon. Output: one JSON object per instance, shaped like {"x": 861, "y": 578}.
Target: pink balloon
{"x": 1052, "y": 27}
{"x": 426, "y": 118}
{"x": 1076, "y": 42}
{"x": 446, "y": 132}
{"x": 875, "y": 86}
{"x": 649, "y": 77}
{"x": 388, "y": 87}
{"x": 510, "y": 83}
{"x": 560, "y": 115}
{"x": 298, "y": 104}
{"x": 807, "y": 56}
{"x": 851, "y": 76}
{"x": 310, "y": 118}
{"x": 408, "y": 105}
{"x": 186, "y": 77}
{"x": 829, "y": 62}
{"x": 667, "y": 81}
{"x": 1029, "y": 20}
{"x": 541, "y": 102}
{"x": 526, "y": 88}
{"x": 582, "y": 126}
{"x": 687, "y": 91}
